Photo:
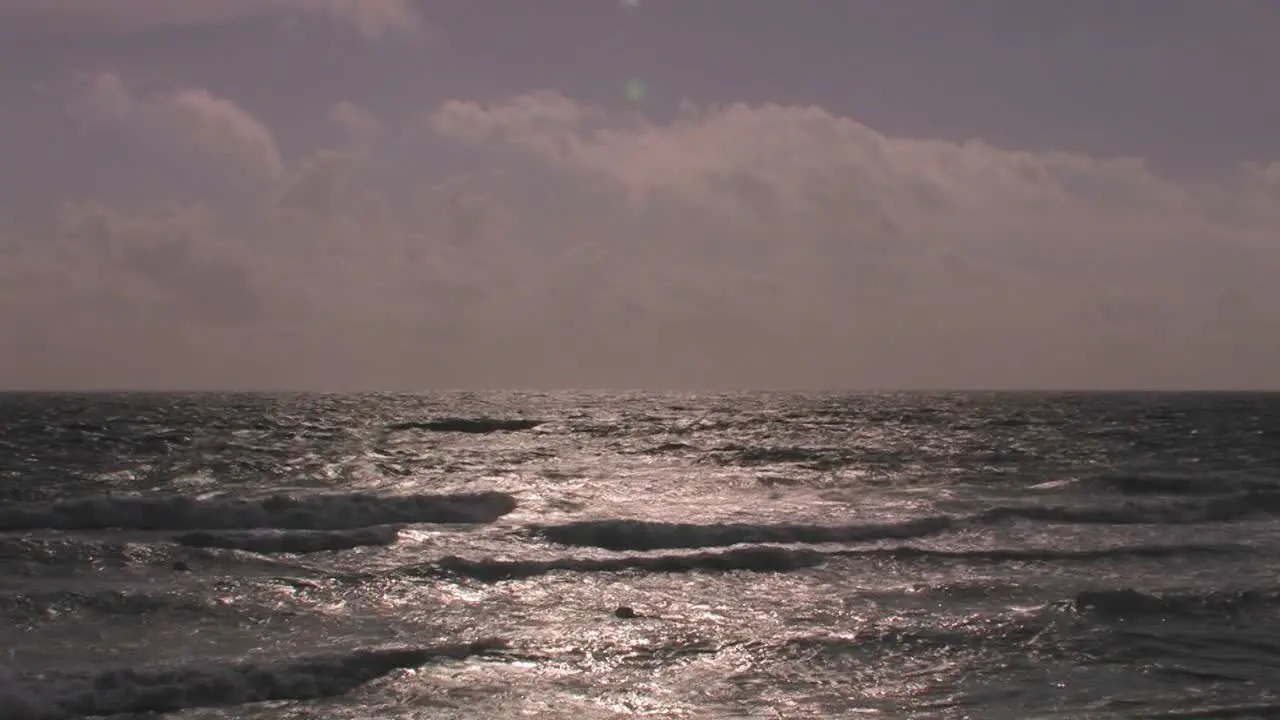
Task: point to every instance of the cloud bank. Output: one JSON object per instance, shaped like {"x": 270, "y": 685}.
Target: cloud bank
{"x": 736, "y": 246}
{"x": 374, "y": 19}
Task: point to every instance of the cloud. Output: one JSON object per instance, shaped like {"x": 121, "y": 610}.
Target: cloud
{"x": 104, "y": 96}
{"x": 193, "y": 116}
{"x": 116, "y": 298}
{"x": 795, "y": 155}
{"x": 374, "y": 19}
{"x": 740, "y": 246}
{"x": 220, "y": 126}
{"x": 1020, "y": 266}
{"x": 544, "y": 122}
{"x": 166, "y": 256}
{"x": 358, "y": 124}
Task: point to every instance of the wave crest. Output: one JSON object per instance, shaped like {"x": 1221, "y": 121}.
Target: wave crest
{"x": 315, "y": 512}
{"x": 1221, "y": 508}
{"x": 160, "y": 690}
{"x": 1132, "y": 604}
{"x": 754, "y": 559}
{"x": 645, "y": 535}
{"x": 291, "y": 541}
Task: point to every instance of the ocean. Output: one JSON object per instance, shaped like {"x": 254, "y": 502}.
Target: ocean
{"x": 614, "y": 555}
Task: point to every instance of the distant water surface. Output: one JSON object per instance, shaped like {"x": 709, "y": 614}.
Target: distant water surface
{"x": 785, "y": 555}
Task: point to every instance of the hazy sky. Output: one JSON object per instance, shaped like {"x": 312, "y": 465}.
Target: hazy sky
{"x": 402, "y": 194}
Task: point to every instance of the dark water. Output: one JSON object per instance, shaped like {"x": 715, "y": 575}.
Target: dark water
{"x": 787, "y": 555}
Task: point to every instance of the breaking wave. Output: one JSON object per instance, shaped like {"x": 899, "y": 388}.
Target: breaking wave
{"x": 71, "y": 551}
{"x": 774, "y": 559}
{"x": 644, "y": 535}
{"x": 1133, "y": 604}
{"x": 51, "y": 604}
{"x": 997, "y": 555}
{"x": 1172, "y": 512}
{"x": 755, "y": 559}
{"x": 315, "y": 512}
{"x": 965, "y": 635}
{"x": 626, "y": 534}
{"x": 160, "y": 690}
{"x": 291, "y": 541}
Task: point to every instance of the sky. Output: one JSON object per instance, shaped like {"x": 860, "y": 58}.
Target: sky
{"x": 685, "y": 194}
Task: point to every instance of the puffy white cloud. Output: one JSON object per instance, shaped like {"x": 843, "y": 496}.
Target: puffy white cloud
{"x": 217, "y": 126}
{"x": 374, "y": 19}
{"x": 1027, "y": 260}
{"x": 222, "y": 127}
{"x": 1020, "y": 267}
{"x": 736, "y": 246}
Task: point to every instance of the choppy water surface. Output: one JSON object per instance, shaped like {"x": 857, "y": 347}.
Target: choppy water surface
{"x": 786, "y": 555}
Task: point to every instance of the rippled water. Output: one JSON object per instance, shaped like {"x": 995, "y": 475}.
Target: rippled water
{"x": 785, "y": 555}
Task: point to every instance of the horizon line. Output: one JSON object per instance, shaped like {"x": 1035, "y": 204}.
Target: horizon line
{"x": 654, "y": 390}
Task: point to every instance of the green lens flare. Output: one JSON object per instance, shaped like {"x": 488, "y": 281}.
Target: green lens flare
{"x": 635, "y": 90}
